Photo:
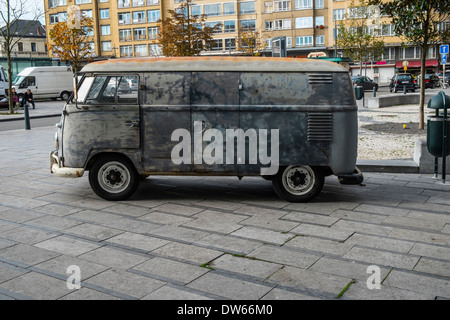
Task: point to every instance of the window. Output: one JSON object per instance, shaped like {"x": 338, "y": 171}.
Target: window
{"x": 88, "y": 13}
{"x": 268, "y": 7}
{"x": 139, "y": 33}
{"x": 212, "y": 9}
{"x": 320, "y": 4}
{"x": 228, "y": 8}
{"x": 124, "y": 18}
{"x": 246, "y": 7}
{"x": 153, "y": 15}
{"x": 303, "y": 22}
{"x": 139, "y": 17}
{"x": 304, "y": 41}
{"x": 154, "y": 50}
{"x": 303, "y": 4}
{"x": 82, "y": 1}
{"x": 320, "y": 40}
{"x": 152, "y": 2}
{"x": 20, "y": 46}
{"x": 281, "y": 5}
{"x": 63, "y": 2}
{"x": 229, "y": 26}
{"x": 33, "y": 47}
{"x": 248, "y": 25}
{"x": 54, "y": 18}
{"x": 106, "y": 46}
{"x": 125, "y": 35}
{"x": 140, "y": 50}
{"x": 104, "y": 13}
{"x": 230, "y": 44}
{"x": 52, "y": 3}
{"x": 269, "y": 25}
{"x": 282, "y": 24}
{"x": 196, "y": 10}
{"x": 320, "y": 20}
{"x": 123, "y": 3}
{"x": 339, "y": 14}
{"x": 62, "y": 16}
{"x": 138, "y": 3}
{"x": 152, "y": 32}
{"x": 105, "y": 30}
{"x": 214, "y": 24}
{"x": 216, "y": 45}
{"x": 126, "y": 51}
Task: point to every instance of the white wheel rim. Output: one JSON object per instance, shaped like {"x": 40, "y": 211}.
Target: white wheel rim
{"x": 114, "y": 177}
{"x": 298, "y": 180}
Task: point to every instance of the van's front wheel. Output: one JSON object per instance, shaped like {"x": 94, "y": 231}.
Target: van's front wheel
{"x": 298, "y": 183}
{"x": 113, "y": 178}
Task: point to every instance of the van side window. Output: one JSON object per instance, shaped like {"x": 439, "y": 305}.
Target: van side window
{"x": 216, "y": 88}
{"x": 112, "y": 89}
{"x": 166, "y": 88}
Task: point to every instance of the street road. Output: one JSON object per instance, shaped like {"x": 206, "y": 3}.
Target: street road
{"x": 34, "y": 123}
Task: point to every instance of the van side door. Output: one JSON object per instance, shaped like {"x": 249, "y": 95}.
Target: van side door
{"x": 215, "y": 114}
{"x": 166, "y": 115}
{"x": 103, "y": 120}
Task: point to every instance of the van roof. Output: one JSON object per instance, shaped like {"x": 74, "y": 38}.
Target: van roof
{"x": 28, "y": 70}
{"x": 201, "y": 63}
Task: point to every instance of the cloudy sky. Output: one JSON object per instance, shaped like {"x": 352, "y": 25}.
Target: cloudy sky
{"x": 30, "y": 7}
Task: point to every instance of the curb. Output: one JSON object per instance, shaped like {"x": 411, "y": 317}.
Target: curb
{"x": 31, "y": 117}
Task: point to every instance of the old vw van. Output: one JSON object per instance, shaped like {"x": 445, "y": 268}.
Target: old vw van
{"x": 293, "y": 121}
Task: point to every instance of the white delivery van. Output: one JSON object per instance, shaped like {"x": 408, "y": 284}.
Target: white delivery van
{"x": 45, "y": 82}
{"x": 3, "y": 82}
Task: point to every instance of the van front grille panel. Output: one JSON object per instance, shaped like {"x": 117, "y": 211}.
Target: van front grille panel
{"x": 320, "y": 78}
{"x": 320, "y": 126}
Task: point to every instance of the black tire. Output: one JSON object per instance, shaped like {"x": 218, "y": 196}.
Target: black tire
{"x": 113, "y": 177}
{"x": 65, "y": 96}
{"x": 298, "y": 183}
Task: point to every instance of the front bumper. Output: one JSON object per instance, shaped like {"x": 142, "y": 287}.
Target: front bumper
{"x": 60, "y": 171}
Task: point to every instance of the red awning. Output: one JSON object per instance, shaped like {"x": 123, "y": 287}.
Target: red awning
{"x": 416, "y": 63}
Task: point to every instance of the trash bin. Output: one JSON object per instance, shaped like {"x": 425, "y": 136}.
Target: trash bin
{"x": 359, "y": 92}
{"x": 435, "y": 134}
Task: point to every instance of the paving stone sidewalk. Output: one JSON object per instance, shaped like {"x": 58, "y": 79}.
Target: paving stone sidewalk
{"x": 216, "y": 237}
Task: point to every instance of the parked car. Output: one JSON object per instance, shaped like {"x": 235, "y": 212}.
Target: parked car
{"x": 401, "y": 80}
{"x": 133, "y": 84}
{"x": 431, "y": 81}
{"x": 365, "y": 82}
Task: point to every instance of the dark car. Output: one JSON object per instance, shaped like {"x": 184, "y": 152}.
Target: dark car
{"x": 431, "y": 81}
{"x": 402, "y": 80}
{"x": 365, "y": 82}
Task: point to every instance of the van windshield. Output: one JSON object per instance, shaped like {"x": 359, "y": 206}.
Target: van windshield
{"x": 17, "y": 80}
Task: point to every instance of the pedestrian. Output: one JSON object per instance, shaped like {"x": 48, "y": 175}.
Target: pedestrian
{"x": 28, "y": 98}
{"x": 15, "y": 99}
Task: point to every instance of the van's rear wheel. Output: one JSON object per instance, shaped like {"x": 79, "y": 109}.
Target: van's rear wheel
{"x": 113, "y": 177}
{"x": 298, "y": 183}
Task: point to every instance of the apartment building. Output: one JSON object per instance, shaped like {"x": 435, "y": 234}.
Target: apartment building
{"x": 128, "y": 28}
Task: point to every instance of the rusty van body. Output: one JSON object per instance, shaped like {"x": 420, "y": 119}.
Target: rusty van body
{"x": 293, "y": 121}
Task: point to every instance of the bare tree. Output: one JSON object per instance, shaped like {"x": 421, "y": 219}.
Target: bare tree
{"x": 10, "y": 12}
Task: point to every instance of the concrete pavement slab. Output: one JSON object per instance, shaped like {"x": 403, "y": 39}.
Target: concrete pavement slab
{"x": 159, "y": 243}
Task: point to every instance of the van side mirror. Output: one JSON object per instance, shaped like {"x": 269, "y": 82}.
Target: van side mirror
{"x": 359, "y": 92}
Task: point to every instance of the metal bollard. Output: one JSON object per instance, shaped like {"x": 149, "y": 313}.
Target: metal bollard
{"x": 374, "y": 92}
{"x": 26, "y": 117}
{"x": 404, "y": 90}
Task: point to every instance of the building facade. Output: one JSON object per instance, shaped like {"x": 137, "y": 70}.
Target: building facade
{"x": 29, "y": 38}
{"x": 128, "y": 28}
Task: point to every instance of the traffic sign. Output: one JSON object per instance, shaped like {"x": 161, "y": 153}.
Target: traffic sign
{"x": 443, "y": 58}
{"x": 443, "y": 49}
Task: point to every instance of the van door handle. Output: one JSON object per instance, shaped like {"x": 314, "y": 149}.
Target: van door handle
{"x": 132, "y": 123}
